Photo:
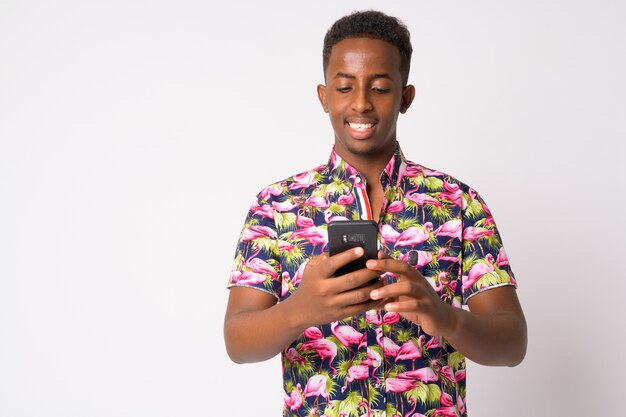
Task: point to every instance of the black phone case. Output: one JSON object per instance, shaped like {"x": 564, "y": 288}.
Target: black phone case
{"x": 344, "y": 235}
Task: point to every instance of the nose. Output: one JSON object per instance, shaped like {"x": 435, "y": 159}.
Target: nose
{"x": 361, "y": 100}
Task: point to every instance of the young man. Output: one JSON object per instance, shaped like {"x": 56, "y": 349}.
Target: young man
{"x": 395, "y": 347}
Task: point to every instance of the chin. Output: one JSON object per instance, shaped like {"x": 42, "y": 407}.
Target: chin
{"x": 366, "y": 148}
{"x": 363, "y": 151}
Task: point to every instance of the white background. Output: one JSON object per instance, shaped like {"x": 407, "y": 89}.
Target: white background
{"x": 135, "y": 134}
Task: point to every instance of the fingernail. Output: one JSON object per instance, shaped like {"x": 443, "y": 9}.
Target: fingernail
{"x": 374, "y": 294}
{"x": 370, "y": 264}
{"x": 359, "y": 251}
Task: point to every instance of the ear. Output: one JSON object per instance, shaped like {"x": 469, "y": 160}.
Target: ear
{"x": 408, "y": 94}
{"x": 321, "y": 95}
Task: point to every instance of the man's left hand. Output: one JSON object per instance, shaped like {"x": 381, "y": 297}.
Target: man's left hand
{"x": 413, "y": 297}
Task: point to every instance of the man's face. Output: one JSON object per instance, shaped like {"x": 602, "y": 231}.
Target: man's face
{"x": 363, "y": 96}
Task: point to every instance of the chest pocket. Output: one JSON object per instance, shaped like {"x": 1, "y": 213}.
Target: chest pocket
{"x": 439, "y": 261}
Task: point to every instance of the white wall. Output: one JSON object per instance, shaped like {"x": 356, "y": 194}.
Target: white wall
{"x": 134, "y": 135}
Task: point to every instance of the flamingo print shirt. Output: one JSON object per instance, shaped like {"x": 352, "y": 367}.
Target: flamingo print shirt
{"x": 376, "y": 363}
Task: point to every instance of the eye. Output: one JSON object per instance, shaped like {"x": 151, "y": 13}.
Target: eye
{"x": 343, "y": 89}
{"x": 379, "y": 90}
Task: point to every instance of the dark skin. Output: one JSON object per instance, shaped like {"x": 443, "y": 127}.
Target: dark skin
{"x": 365, "y": 87}
{"x": 363, "y": 98}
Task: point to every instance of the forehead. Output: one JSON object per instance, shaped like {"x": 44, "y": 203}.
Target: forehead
{"x": 356, "y": 55}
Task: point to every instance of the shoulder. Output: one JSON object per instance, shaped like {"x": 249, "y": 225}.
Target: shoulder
{"x": 298, "y": 183}
{"x": 439, "y": 179}
{"x": 446, "y": 187}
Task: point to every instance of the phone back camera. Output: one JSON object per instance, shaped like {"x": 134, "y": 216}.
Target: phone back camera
{"x": 354, "y": 238}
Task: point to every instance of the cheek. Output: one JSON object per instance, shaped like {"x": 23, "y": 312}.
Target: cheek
{"x": 338, "y": 103}
{"x": 391, "y": 107}
{"x": 336, "y": 113}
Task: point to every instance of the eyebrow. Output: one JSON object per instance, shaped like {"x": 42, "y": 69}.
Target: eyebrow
{"x": 350, "y": 76}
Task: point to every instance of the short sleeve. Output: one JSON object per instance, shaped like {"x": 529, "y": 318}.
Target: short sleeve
{"x": 256, "y": 263}
{"x": 485, "y": 263}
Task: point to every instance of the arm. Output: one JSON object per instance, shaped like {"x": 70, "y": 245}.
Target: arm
{"x": 493, "y": 332}
{"x": 257, "y": 328}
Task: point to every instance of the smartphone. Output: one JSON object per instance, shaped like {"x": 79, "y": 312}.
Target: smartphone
{"x": 344, "y": 235}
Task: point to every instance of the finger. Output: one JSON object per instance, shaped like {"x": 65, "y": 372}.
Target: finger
{"x": 354, "y": 309}
{"x": 337, "y": 261}
{"x": 407, "y": 288}
{"x": 356, "y": 279}
{"x": 354, "y": 297}
{"x": 406, "y": 306}
{"x": 392, "y": 265}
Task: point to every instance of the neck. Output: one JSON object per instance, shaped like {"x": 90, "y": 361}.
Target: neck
{"x": 370, "y": 166}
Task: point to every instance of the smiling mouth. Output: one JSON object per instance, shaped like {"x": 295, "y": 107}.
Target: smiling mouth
{"x": 361, "y": 127}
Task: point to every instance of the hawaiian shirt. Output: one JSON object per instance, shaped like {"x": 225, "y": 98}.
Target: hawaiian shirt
{"x": 375, "y": 363}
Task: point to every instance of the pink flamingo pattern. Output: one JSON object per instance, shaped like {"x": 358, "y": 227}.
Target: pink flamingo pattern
{"x": 347, "y": 335}
{"x": 316, "y": 386}
{"x": 324, "y": 348}
{"x": 294, "y": 400}
{"x": 376, "y": 360}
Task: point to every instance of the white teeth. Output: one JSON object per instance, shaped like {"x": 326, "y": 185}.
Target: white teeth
{"x": 361, "y": 126}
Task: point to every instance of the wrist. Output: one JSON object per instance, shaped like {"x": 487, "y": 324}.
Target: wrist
{"x": 455, "y": 323}
{"x": 294, "y": 319}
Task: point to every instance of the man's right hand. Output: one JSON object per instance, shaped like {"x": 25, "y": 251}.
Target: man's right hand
{"x": 323, "y": 297}
{"x": 257, "y": 328}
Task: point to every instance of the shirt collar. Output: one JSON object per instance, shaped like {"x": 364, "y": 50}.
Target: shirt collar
{"x": 393, "y": 172}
